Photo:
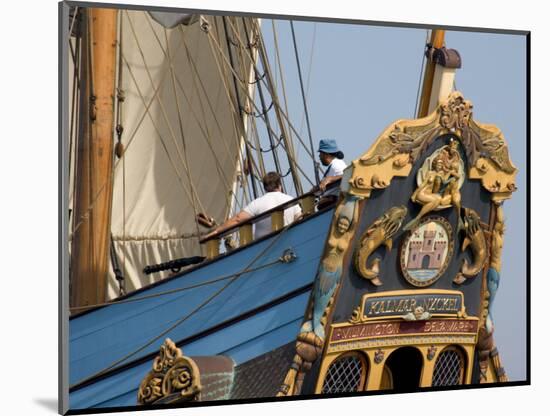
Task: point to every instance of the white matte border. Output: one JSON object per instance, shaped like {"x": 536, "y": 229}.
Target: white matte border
{"x": 29, "y": 209}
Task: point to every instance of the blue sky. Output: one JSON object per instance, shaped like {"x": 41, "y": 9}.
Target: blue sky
{"x": 362, "y": 78}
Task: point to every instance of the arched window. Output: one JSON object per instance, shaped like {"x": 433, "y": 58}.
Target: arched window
{"x": 346, "y": 374}
{"x": 449, "y": 367}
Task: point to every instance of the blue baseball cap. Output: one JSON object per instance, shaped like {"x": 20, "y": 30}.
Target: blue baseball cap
{"x": 328, "y": 146}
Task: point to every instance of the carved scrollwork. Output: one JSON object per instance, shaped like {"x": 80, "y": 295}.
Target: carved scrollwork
{"x": 173, "y": 378}
{"x": 357, "y": 316}
{"x": 406, "y": 140}
{"x": 455, "y": 113}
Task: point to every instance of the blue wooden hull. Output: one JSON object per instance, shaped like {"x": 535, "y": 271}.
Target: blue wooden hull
{"x": 255, "y": 314}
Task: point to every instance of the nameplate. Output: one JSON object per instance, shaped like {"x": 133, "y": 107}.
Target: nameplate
{"x": 376, "y": 330}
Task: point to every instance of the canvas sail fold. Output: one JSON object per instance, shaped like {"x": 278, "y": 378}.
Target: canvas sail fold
{"x": 182, "y": 140}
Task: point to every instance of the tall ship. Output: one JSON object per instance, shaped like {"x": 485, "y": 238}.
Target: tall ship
{"x": 173, "y": 119}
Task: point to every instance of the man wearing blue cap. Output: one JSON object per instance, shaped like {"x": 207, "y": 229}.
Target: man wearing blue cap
{"x": 332, "y": 157}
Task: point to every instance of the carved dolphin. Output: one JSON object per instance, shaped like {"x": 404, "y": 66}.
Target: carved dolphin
{"x": 380, "y": 232}
{"x": 475, "y": 240}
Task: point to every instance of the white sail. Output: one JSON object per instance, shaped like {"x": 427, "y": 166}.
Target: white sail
{"x": 182, "y": 138}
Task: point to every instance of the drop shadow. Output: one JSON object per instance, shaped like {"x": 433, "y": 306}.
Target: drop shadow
{"x": 47, "y": 403}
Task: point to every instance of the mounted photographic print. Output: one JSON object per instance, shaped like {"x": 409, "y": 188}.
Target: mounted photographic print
{"x": 270, "y": 208}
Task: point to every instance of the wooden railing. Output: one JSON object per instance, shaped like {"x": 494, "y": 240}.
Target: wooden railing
{"x": 245, "y": 229}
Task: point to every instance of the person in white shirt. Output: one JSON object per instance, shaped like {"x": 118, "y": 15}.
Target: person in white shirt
{"x": 332, "y": 157}
{"x": 272, "y": 198}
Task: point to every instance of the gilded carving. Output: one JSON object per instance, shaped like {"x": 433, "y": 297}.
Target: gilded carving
{"x": 419, "y": 314}
{"x": 439, "y": 181}
{"x": 456, "y": 113}
{"x": 476, "y": 242}
{"x": 430, "y": 355}
{"x": 488, "y": 354}
{"x": 493, "y": 274}
{"x": 378, "y": 356}
{"x": 311, "y": 339}
{"x": 173, "y": 378}
{"x": 380, "y": 232}
{"x": 357, "y": 316}
{"x": 401, "y": 144}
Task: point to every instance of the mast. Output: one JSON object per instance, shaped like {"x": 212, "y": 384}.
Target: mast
{"x": 437, "y": 40}
{"x": 439, "y": 75}
{"x": 90, "y": 241}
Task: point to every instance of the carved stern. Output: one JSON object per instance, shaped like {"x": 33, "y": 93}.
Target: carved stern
{"x": 397, "y": 314}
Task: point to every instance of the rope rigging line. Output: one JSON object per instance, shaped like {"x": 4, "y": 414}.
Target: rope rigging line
{"x": 176, "y": 290}
{"x": 421, "y": 75}
{"x": 71, "y": 26}
{"x": 281, "y": 73}
{"x": 204, "y": 129}
{"x": 237, "y": 81}
{"x": 118, "y": 162}
{"x": 315, "y": 170}
{"x": 223, "y": 76}
{"x": 253, "y": 127}
{"x": 75, "y": 98}
{"x": 272, "y": 88}
{"x": 258, "y": 79}
{"x": 252, "y": 86}
{"x": 282, "y": 116}
{"x": 276, "y": 42}
{"x": 180, "y": 123}
{"x": 116, "y": 270}
{"x": 227, "y": 64}
{"x": 264, "y": 114}
{"x": 194, "y": 193}
{"x": 308, "y": 82}
{"x": 91, "y": 83}
{"x": 119, "y": 274}
{"x": 277, "y": 104}
{"x": 270, "y": 149}
{"x": 167, "y": 151}
{"x": 258, "y": 115}
{"x": 185, "y": 317}
{"x": 237, "y": 119}
{"x": 227, "y": 74}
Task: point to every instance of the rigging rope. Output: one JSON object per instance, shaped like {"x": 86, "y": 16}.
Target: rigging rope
{"x": 75, "y": 99}
{"x": 285, "y": 101}
{"x": 264, "y": 115}
{"x": 215, "y": 43}
{"x": 315, "y": 170}
{"x": 119, "y": 150}
{"x": 180, "y": 122}
{"x": 176, "y": 290}
{"x": 102, "y": 188}
{"x": 223, "y": 76}
{"x": 258, "y": 115}
{"x": 272, "y": 88}
{"x": 185, "y": 317}
{"x": 270, "y": 149}
{"x": 421, "y": 75}
{"x": 193, "y": 193}
{"x": 308, "y": 81}
{"x": 91, "y": 131}
{"x": 236, "y": 81}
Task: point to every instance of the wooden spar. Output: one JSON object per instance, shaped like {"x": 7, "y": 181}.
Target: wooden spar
{"x": 437, "y": 40}
{"x": 90, "y": 241}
